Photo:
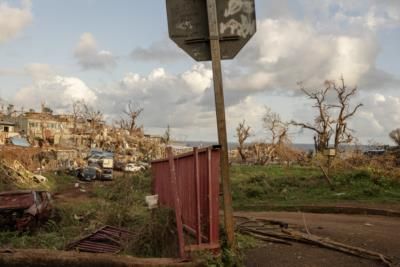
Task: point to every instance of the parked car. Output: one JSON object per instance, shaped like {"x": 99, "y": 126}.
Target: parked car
{"x": 23, "y": 210}
{"x": 106, "y": 175}
{"x": 89, "y": 173}
{"x": 132, "y": 167}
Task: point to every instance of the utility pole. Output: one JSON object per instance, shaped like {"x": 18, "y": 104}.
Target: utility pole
{"x": 221, "y": 122}
{"x": 214, "y": 30}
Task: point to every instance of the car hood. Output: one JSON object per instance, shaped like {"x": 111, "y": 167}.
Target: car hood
{"x": 16, "y": 201}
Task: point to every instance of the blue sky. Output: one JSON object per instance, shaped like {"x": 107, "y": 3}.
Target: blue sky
{"x": 109, "y": 52}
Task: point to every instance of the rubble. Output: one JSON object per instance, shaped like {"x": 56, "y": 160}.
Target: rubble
{"x": 15, "y": 173}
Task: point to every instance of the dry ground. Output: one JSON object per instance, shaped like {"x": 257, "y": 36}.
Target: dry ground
{"x": 378, "y": 233}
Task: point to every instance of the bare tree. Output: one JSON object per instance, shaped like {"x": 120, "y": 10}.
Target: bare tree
{"x": 343, "y": 135}
{"x": 131, "y": 113}
{"x": 331, "y": 119}
{"x": 94, "y": 117}
{"x": 276, "y": 128}
{"x": 322, "y": 126}
{"x": 242, "y": 133}
{"x": 395, "y": 136}
{"x": 166, "y": 138}
{"x": 77, "y": 113}
{"x": 278, "y": 138}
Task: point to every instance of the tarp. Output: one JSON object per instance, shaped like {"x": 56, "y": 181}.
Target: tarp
{"x": 19, "y": 141}
{"x": 101, "y": 153}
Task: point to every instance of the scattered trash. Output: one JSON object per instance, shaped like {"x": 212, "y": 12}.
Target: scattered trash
{"x": 78, "y": 218}
{"x": 152, "y": 201}
{"x": 339, "y": 194}
{"x": 39, "y": 178}
{"x": 19, "y": 141}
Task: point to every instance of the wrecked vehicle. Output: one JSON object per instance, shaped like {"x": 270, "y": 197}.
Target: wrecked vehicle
{"x": 23, "y": 210}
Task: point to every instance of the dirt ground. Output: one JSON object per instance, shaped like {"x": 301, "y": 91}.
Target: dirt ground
{"x": 75, "y": 192}
{"x": 377, "y": 233}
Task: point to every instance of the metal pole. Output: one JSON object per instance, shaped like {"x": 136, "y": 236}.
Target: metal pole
{"x": 197, "y": 186}
{"x": 221, "y": 123}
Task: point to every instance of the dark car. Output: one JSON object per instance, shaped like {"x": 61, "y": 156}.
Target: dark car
{"x": 106, "y": 175}
{"x": 89, "y": 174}
{"x": 23, "y": 210}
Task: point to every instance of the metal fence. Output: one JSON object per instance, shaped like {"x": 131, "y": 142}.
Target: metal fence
{"x": 189, "y": 184}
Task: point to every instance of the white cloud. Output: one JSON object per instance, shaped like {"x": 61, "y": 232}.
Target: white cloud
{"x": 39, "y": 71}
{"x": 286, "y": 51}
{"x": 58, "y": 92}
{"x": 90, "y": 57}
{"x": 161, "y": 51}
{"x": 378, "y": 117}
{"x": 166, "y": 98}
{"x": 199, "y": 78}
{"x": 14, "y": 20}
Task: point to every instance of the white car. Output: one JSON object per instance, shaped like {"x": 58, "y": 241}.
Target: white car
{"x": 132, "y": 167}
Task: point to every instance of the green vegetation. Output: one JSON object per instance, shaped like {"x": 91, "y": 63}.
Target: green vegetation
{"x": 296, "y": 185}
{"x": 120, "y": 204}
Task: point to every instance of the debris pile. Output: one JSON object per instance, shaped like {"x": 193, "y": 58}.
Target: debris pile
{"x": 15, "y": 173}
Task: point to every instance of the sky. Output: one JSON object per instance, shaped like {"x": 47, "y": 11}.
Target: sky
{"x": 109, "y": 53}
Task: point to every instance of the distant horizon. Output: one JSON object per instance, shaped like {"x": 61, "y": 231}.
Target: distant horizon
{"x": 302, "y": 146}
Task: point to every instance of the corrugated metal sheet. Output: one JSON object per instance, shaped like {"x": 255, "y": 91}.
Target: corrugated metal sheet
{"x": 197, "y": 175}
{"x": 105, "y": 240}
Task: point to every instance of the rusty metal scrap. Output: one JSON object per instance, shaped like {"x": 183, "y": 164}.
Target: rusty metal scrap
{"x": 22, "y": 210}
{"x": 108, "y": 239}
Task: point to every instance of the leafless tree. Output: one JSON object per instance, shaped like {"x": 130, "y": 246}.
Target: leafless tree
{"x": 95, "y": 118}
{"x": 343, "y": 135}
{"x": 395, "y": 136}
{"x": 77, "y": 113}
{"x": 243, "y": 132}
{"x": 331, "y": 119}
{"x": 92, "y": 115}
{"x": 166, "y": 138}
{"x": 275, "y": 127}
{"x": 322, "y": 126}
{"x": 278, "y": 138}
{"x": 131, "y": 113}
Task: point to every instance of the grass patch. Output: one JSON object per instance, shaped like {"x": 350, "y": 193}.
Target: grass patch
{"x": 297, "y": 185}
{"x": 119, "y": 203}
